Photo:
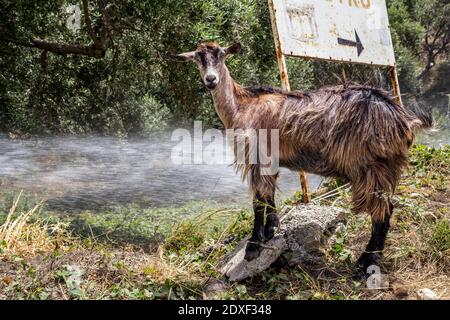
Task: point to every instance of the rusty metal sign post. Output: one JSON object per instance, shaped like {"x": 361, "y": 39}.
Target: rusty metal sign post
{"x": 352, "y": 31}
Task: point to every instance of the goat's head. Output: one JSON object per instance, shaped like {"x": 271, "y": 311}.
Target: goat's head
{"x": 210, "y": 59}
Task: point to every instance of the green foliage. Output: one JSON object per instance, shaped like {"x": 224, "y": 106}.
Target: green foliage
{"x": 431, "y": 166}
{"x": 440, "y": 240}
{"x": 134, "y": 224}
{"x": 137, "y": 88}
{"x": 407, "y": 29}
{"x": 427, "y": 159}
{"x": 185, "y": 237}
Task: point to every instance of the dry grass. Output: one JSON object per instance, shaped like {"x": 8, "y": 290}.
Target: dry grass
{"x": 182, "y": 266}
{"x": 38, "y": 258}
{"x": 20, "y": 237}
{"x": 163, "y": 267}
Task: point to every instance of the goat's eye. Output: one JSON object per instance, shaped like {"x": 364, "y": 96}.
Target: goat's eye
{"x": 218, "y": 53}
{"x": 197, "y": 56}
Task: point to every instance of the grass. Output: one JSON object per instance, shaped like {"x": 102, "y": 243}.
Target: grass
{"x": 20, "y": 237}
{"x": 131, "y": 253}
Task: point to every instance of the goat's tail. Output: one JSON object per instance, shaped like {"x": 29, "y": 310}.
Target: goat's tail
{"x": 374, "y": 186}
{"x": 424, "y": 115}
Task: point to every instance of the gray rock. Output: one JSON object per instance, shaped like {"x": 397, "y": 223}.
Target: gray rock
{"x": 303, "y": 230}
{"x": 236, "y": 268}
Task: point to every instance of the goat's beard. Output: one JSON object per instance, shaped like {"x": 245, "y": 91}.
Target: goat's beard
{"x": 211, "y": 86}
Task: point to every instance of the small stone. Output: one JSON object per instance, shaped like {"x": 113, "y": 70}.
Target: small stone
{"x": 213, "y": 288}
{"x": 400, "y": 291}
{"x": 414, "y": 195}
{"x": 229, "y": 239}
{"x": 340, "y": 228}
{"x": 427, "y": 294}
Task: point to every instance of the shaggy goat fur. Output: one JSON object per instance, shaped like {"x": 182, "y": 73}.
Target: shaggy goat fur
{"x": 355, "y": 132}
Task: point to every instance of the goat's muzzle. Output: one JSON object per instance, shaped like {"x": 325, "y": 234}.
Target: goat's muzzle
{"x": 211, "y": 82}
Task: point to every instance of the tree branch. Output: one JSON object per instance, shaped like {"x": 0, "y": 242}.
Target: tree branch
{"x": 87, "y": 20}
{"x": 436, "y": 43}
{"x": 17, "y": 42}
{"x": 107, "y": 26}
{"x": 63, "y": 49}
{"x": 96, "y": 50}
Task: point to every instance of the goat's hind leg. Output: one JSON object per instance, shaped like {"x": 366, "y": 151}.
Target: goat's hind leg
{"x": 372, "y": 193}
{"x": 374, "y": 250}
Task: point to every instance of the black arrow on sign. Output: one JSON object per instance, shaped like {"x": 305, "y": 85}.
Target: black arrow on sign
{"x": 357, "y": 44}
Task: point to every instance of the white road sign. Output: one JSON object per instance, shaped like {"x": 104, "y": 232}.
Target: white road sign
{"x": 338, "y": 30}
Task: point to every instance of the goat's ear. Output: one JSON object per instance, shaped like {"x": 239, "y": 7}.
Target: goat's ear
{"x": 233, "y": 49}
{"x": 185, "y": 57}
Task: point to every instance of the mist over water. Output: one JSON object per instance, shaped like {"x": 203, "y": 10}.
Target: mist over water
{"x": 435, "y": 137}
{"x": 94, "y": 173}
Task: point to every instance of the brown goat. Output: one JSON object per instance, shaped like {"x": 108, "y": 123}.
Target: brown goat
{"x": 355, "y": 132}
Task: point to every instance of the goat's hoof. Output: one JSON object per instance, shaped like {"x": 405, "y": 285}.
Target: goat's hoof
{"x": 367, "y": 260}
{"x": 272, "y": 224}
{"x": 252, "y": 251}
{"x": 269, "y": 233}
{"x": 359, "y": 275}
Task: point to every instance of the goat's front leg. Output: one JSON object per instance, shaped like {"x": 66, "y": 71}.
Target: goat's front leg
{"x": 272, "y": 221}
{"x": 254, "y": 248}
{"x": 263, "y": 205}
